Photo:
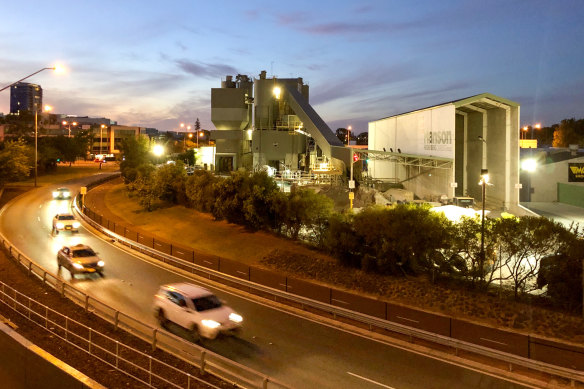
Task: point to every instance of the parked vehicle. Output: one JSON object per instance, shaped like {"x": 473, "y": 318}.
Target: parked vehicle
{"x": 65, "y": 222}
{"x": 79, "y": 259}
{"x": 195, "y": 309}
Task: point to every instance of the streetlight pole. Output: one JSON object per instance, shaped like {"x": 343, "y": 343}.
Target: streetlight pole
{"x": 484, "y": 181}
{"x": 349, "y": 135}
{"x": 30, "y": 75}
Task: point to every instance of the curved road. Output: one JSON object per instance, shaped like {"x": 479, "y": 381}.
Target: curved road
{"x": 292, "y": 349}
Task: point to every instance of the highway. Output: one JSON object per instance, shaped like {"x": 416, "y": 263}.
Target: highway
{"x": 297, "y": 351}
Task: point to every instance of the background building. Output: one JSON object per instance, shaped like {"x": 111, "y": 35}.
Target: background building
{"x": 269, "y": 122}
{"x": 439, "y": 151}
{"x": 26, "y": 97}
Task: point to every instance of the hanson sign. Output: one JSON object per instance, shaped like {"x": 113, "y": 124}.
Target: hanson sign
{"x": 576, "y": 172}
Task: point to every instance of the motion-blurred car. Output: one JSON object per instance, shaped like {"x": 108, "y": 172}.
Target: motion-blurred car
{"x": 196, "y": 309}
{"x": 79, "y": 259}
{"x": 65, "y": 222}
{"x": 62, "y": 194}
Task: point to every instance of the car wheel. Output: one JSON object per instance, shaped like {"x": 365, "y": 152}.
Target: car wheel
{"x": 161, "y": 318}
{"x": 100, "y": 274}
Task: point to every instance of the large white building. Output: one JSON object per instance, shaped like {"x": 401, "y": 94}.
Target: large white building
{"x": 440, "y": 150}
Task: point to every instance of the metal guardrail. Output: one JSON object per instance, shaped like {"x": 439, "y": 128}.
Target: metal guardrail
{"x": 457, "y": 345}
{"x": 203, "y": 359}
{"x": 140, "y": 366}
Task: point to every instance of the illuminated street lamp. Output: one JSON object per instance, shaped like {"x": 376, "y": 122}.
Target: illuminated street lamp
{"x": 101, "y": 138}
{"x": 524, "y": 133}
{"x": 66, "y": 123}
{"x": 158, "y": 150}
{"x": 537, "y": 127}
{"x": 57, "y": 69}
{"x": 349, "y": 135}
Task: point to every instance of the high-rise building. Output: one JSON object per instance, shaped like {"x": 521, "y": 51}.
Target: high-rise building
{"x": 26, "y": 97}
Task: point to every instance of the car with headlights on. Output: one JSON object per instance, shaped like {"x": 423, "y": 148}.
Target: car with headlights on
{"x": 195, "y": 309}
{"x": 79, "y": 259}
{"x": 65, "y": 222}
{"x": 61, "y": 194}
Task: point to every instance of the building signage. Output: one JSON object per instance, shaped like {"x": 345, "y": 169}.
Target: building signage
{"x": 576, "y": 172}
{"x": 438, "y": 140}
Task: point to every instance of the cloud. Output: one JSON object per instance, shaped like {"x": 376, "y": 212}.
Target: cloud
{"x": 350, "y": 86}
{"x": 205, "y": 70}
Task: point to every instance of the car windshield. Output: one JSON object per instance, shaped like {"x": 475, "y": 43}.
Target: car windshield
{"x": 66, "y": 217}
{"x": 63, "y": 190}
{"x": 83, "y": 253}
{"x": 206, "y": 303}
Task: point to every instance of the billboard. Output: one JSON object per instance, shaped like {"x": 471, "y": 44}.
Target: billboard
{"x": 576, "y": 172}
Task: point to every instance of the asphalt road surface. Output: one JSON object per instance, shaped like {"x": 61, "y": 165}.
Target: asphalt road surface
{"x": 292, "y": 349}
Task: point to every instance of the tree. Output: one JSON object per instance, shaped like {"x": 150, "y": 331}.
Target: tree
{"x": 307, "y": 209}
{"x": 526, "y": 241}
{"x": 200, "y": 190}
{"x": 135, "y": 153}
{"x": 197, "y": 125}
{"x": 14, "y": 161}
{"x": 341, "y": 133}
{"x": 363, "y": 138}
{"x": 562, "y": 272}
{"x": 168, "y": 182}
{"x": 565, "y": 134}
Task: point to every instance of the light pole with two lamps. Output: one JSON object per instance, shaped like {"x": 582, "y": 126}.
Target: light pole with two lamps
{"x": 69, "y": 124}
{"x": 483, "y": 182}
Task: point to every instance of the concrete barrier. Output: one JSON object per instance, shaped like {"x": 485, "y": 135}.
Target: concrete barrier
{"x": 507, "y": 341}
{"x": 236, "y": 269}
{"x": 267, "y": 278}
{"x": 161, "y": 246}
{"x": 422, "y": 320}
{"x": 184, "y": 253}
{"x": 358, "y": 303}
{"x": 207, "y": 261}
{"x": 308, "y": 289}
{"x": 25, "y": 366}
{"x": 556, "y": 353}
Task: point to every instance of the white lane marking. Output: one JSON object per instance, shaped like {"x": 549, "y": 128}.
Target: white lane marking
{"x": 368, "y": 380}
{"x": 38, "y": 218}
{"x": 341, "y": 301}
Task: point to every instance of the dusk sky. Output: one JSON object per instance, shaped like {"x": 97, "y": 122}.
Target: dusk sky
{"x": 153, "y": 63}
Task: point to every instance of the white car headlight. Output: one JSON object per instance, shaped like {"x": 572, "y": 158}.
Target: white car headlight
{"x": 210, "y": 323}
{"x": 77, "y": 265}
{"x": 66, "y": 194}
{"x": 55, "y": 194}
{"x": 60, "y": 225}
{"x": 100, "y": 263}
{"x": 235, "y": 317}
{"x": 76, "y": 224}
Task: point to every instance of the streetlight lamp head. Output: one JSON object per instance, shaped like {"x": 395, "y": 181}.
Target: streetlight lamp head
{"x": 484, "y": 176}
{"x": 537, "y": 126}
{"x": 277, "y": 91}
{"x": 64, "y": 122}
{"x": 58, "y": 69}
{"x": 529, "y": 165}
{"x": 48, "y": 108}
{"x": 158, "y": 150}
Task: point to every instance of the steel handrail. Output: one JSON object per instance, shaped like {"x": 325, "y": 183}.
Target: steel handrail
{"x": 212, "y": 363}
{"x": 457, "y": 345}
